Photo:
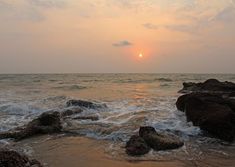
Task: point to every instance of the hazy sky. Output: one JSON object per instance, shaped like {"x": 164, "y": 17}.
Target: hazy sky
{"x": 53, "y": 36}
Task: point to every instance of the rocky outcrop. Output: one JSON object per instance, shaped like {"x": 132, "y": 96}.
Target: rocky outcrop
{"x": 50, "y": 122}
{"x": 159, "y": 141}
{"x": 149, "y": 138}
{"x": 46, "y": 123}
{"x": 137, "y": 146}
{"x": 72, "y": 111}
{"x": 9, "y": 158}
{"x": 212, "y": 113}
{"x": 93, "y": 118}
{"x": 85, "y": 104}
{"x": 211, "y": 86}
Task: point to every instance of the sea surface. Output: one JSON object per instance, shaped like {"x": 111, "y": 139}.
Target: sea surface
{"x": 132, "y": 100}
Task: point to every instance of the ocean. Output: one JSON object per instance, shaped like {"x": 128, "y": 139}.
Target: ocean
{"x": 132, "y": 100}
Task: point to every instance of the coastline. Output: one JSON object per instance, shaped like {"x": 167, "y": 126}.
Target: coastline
{"x": 73, "y": 151}
{"x": 83, "y": 152}
{"x": 111, "y": 123}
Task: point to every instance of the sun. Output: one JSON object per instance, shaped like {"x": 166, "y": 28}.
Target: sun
{"x": 140, "y": 55}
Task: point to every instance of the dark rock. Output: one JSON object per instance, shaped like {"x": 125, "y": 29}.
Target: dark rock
{"x": 70, "y": 112}
{"x": 46, "y": 123}
{"x": 232, "y": 94}
{"x": 136, "y": 146}
{"x": 219, "y": 121}
{"x": 209, "y": 97}
{"x": 93, "y": 118}
{"x": 211, "y": 113}
{"x": 211, "y": 85}
{"x": 145, "y": 130}
{"x": 159, "y": 141}
{"x": 85, "y": 104}
{"x": 9, "y": 158}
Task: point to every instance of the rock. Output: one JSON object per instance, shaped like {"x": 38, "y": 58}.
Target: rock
{"x": 232, "y": 95}
{"x": 70, "y": 112}
{"x": 9, "y": 158}
{"x": 211, "y": 85}
{"x": 181, "y": 101}
{"x": 209, "y": 97}
{"x": 93, "y": 118}
{"x": 212, "y": 113}
{"x": 149, "y": 138}
{"x": 85, "y": 104}
{"x": 136, "y": 146}
{"x": 159, "y": 141}
{"x": 46, "y": 123}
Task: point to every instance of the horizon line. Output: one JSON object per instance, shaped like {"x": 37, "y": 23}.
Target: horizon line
{"x": 59, "y": 73}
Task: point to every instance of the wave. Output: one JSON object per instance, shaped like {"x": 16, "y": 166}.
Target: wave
{"x": 71, "y": 87}
{"x": 164, "y": 85}
{"x": 53, "y": 80}
{"x": 163, "y": 79}
{"x": 13, "y": 115}
{"x": 130, "y": 80}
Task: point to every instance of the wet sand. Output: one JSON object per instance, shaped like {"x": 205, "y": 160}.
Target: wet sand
{"x": 83, "y": 152}
{"x": 70, "y": 151}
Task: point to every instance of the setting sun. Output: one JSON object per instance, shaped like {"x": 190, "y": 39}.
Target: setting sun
{"x": 140, "y": 55}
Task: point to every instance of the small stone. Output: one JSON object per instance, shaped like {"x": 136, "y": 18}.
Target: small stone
{"x": 136, "y": 146}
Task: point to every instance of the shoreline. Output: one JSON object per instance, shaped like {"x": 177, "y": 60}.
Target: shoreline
{"x": 74, "y": 151}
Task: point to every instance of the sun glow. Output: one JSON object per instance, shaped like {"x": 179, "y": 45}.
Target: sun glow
{"x": 140, "y": 55}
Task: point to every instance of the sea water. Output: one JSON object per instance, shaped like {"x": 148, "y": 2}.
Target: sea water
{"x": 132, "y": 100}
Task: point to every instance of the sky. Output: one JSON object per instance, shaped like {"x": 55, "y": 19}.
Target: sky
{"x": 107, "y": 36}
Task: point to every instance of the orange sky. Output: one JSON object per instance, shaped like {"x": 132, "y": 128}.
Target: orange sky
{"x": 72, "y": 36}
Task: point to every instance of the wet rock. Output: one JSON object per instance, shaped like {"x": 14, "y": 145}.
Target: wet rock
{"x": 159, "y": 141}
{"x": 137, "y": 146}
{"x": 182, "y": 100}
{"x": 211, "y": 85}
{"x": 9, "y": 158}
{"x": 209, "y": 97}
{"x": 212, "y": 113}
{"x": 46, "y": 123}
{"x": 69, "y": 112}
{"x": 85, "y": 104}
{"x": 93, "y": 118}
{"x": 232, "y": 95}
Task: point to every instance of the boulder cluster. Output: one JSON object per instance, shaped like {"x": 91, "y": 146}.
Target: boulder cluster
{"x": 10, "y": 158}
{"x": 148, "y": 139}
{"x": 210, "y": 86}
{"x": 49, "y": 122}
{"x": 211, "y": 106}
{"x": 46, "y": 123}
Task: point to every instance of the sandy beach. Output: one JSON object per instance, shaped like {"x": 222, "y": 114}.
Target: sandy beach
{"x": 83, "y": 152}
{"x": 73, "y": 151}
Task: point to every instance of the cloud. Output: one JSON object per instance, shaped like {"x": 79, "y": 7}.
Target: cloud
{"x": 27, "y": 10}
{"x": 10, "y": 10}
{"x": 127, "y": 3}
{"x": 122, "y": 43}
{"x": 150, "y": 26}
{"x": 183, "y": 28}
{"x": 233, "y": 2}
{"x": 5, "y": 5}
{"x": 225, "y": 15}
{"x": 194, "y": 28}
{"x": 136, "y": 5}
{"x": 48, "y": 3}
